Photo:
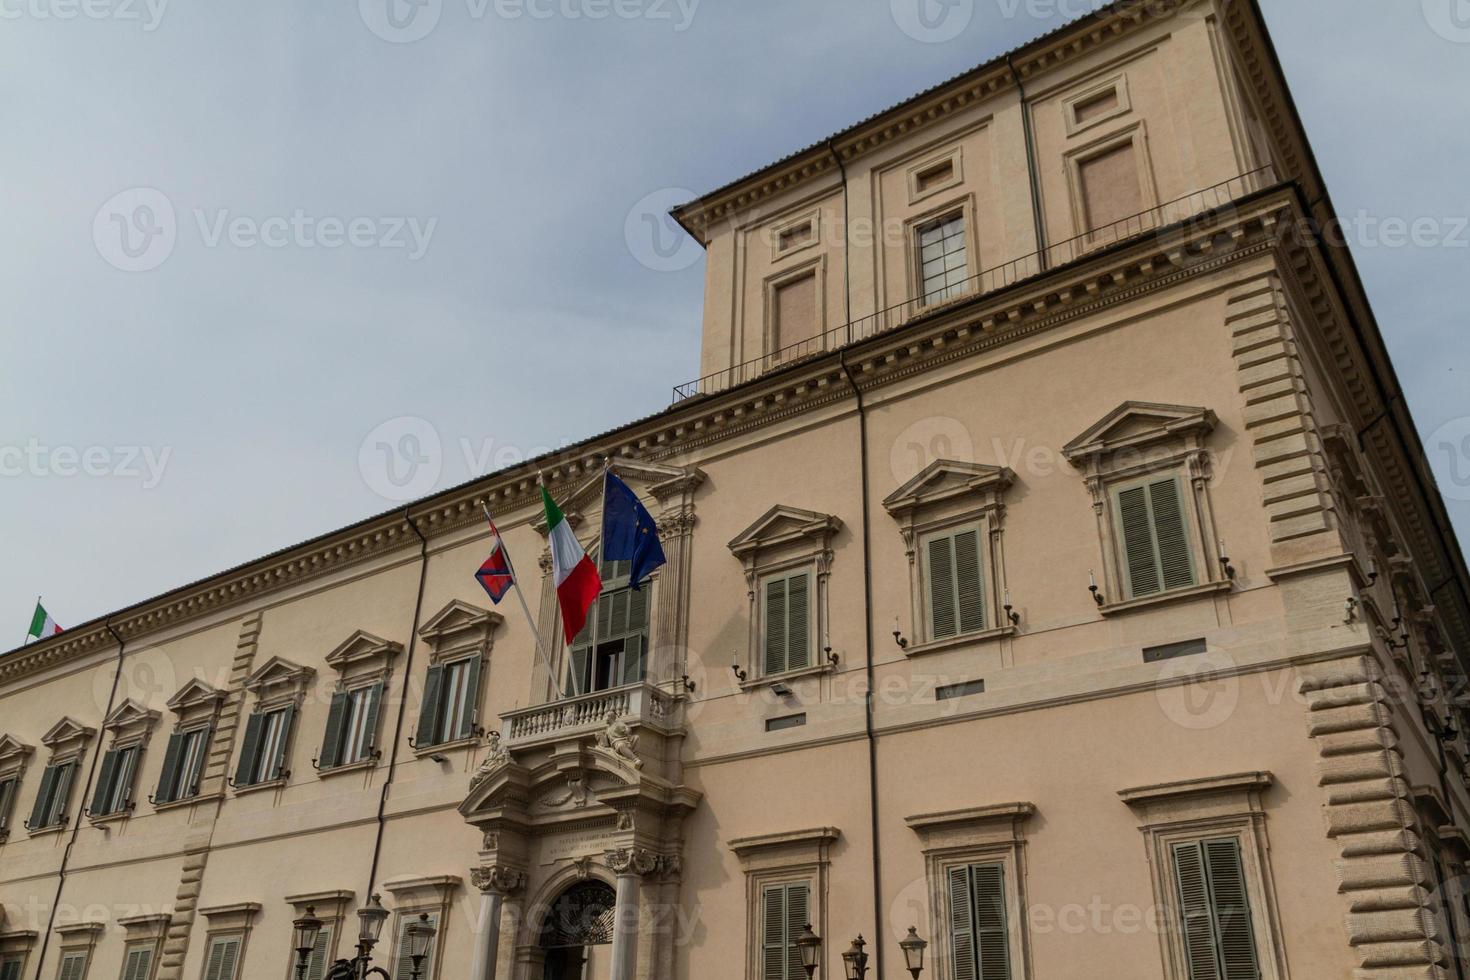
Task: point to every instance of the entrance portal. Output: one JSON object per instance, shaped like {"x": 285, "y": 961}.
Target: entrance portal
{"x": 578, "y": 933}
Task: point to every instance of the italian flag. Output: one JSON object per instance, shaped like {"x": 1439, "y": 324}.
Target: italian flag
{"x": 42, "y": 625}
{"x": 577, "y": 581}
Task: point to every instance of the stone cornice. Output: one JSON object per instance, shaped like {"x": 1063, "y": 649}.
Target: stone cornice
{"x": 924, "y": 111}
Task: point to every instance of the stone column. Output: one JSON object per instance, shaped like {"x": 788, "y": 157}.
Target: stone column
{"x": 495, "y": 883}
{"x": 630, "y": 865}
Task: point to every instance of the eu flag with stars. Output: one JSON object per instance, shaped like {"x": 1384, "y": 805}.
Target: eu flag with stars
{"x": 628, "y": 531}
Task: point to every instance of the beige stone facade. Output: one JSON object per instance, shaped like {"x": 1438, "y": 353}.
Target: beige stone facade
{"x": 949, "y": 635}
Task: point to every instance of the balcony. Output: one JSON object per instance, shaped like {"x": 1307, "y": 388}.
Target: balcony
{"x": 638, "y": 705}
{"x": 1191, "y": 207}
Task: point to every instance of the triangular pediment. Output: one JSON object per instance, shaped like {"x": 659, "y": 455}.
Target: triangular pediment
{"x": 12, "y": 748}
{"x": 67, "y": 730}
{"x": 195, "y": 692}
{"x": 1135, "y": 424}
{"x": 458, "y": 618}
{"x": 129, "y": 714}
{"x": 278, "y": 672}
{"x": 783, "y": 525}
{"x": 360, "y": 646}
{"x": 945, "y": 479}
{"x": 649, "y": 480}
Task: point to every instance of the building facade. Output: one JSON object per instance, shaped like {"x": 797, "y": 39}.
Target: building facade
{"x": 949, "y": 637}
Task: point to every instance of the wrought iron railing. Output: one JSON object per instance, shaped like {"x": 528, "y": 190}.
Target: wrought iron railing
{"x": 1151, "y": 221}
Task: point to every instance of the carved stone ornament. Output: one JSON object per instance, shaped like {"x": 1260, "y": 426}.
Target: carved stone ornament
{"x": 491, "y": 841}
{"x": 618, "y": 738}
{"x": 501, "y": 880}
{"x": 577, "y": 796}
{"x": 635, "y": 861}
{"x": 496, "y": 758}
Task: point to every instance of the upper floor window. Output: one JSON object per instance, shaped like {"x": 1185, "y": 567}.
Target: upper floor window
{"x": 955, "y": 594}
{"x": 11, "y": 965}
{"x": 459, "y": 640}
{"x": 1148, "y": 472}
{"x": 13, "y": 756}
{"x": 68, "y": 741}
{"x": 197, "y": 707}
{"x": 943, "y": 266}
{"x": 1214, "y": 911}
{"x": 130, "y": 725}
{"x": 279, "y": 687}
{"x": 364, "y": 664}
{"x": 787, "y": 614}
{"x": 612, "y": 648}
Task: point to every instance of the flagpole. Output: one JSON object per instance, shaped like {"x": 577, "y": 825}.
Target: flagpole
{"x": 526, "y": 608}
{"x": 33, "y": 619}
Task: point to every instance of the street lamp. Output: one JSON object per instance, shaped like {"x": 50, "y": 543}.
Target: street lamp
{"x": 419, "y": 937}
{"x": 371, "y": 918}
{"x": 913, "y": 952}
{"x": 308, "y": 929}
{"x": 855, "y": 960}
{"x": 809, "y": 944}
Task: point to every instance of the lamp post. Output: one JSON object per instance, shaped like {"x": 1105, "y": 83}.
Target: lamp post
{"x": 809, "y": 944}
{"x": 913, "y": 952}
{"x": 371, "y": 917}
{"x": 855, "y": 960}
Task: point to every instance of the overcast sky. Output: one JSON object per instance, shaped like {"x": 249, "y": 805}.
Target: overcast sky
{"x": 339, "y": 215}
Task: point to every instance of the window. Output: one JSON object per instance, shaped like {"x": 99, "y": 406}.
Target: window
{"x": 8, "y": 788}
{"x": 1156, "y": 554}
{"x": 73, "y": 966}
{"x": 402, "y": 962}
{"x": 222, "y": 960}
{"x": 785, "y": 723}
{"x": 263, "y": 753}
{"x": 612, "y": 648}
{"x": 1214, "y": 912}
{"x": 451, "y": 703}
{"x": 943, "y": 266}
{"x": 352, "y": 726}
{"x": 787, "y": 618}
{"x": 956, "y": 583}
{"x": 979, "y": 936}
{"x": 319, "y": 961}
{"x": 10, "y": 967}
{"x": 785, "y": 913}
{"x": 138, "y": 962}
{"x": 50, "y": 807}
{"x": 183, "y": 766}
{"x": 114, "y": 791}
{"x": 964, "y": 689}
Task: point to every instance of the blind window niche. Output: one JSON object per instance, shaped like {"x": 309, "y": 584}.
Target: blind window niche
{"x": 1111, "y": 185}
{"x": 794, "y": 314}
{"x": 786, "y": 615}
{"x": 1153, "y": 536}
{"x": 954, "y": 583}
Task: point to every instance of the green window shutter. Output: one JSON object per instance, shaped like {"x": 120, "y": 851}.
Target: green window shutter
{"x": 223, "y": 958}
{"x": 250, "y": 749}
{"x": 168, "y": 780}
{"x": 138, "y": 964}
{"x": 374, "y": 709}
{"x": 1168, "y": 514}
{"x": 798, "y": 622}
{"x": 1138, "y": 542}
{"x": 10, "y": 968}
{"x": 336, "y": 731}
{"x": 470, "y": 717}
{"x": 42, "y": 809}
{"x": 403, "y": 963}
{"x": 1194, "y": 912}
{"x": 73, "y": 966}
{"x": 992, "y": 938}
{"x": 431, "y": 711}
{"x": 7, "y": 796}
{"x": 317, "y": 964}
{"x": 798, "y": 914}
{"x": 785, "y": 912}
{"x": 776, "y": 626}
{"x": 581, "y": 654}
{"x": 635, "y": 649}
{"x": 943, "y": 618}
{"x": 1232, "y": 912}
{"x": 106, "y": 783}
{"x": 961, "y": 926}
{"x": 970, "y": 579}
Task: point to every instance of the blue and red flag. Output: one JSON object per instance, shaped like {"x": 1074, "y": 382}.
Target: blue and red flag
{"x": 496, "y": 575}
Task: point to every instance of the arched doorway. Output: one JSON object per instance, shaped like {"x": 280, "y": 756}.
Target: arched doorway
{"x": 578, "y": 932}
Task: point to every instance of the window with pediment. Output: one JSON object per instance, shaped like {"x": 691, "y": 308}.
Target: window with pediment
{"x": 130, "y": 725}
{"x": 459, "y": 638}
{"x": 787, "y": 557}
{"x": 952, "y": 516}
{"x": 364, "y": 663}
{"x": 278, "y": 687}
{"x": 196, "y": 708}
{"x": 1148, "y": 471}
{"x": 67, "y": 741}
{"x": 14, "y": 754}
